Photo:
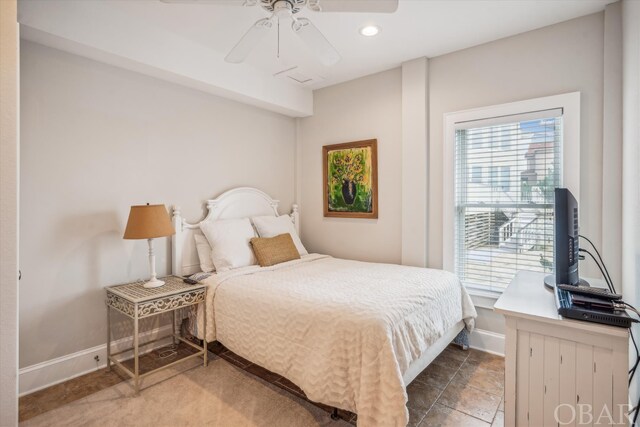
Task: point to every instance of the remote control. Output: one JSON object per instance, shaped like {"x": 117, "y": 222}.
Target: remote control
{"x": 190, "y": 281}
{"x": 589, "y": 291}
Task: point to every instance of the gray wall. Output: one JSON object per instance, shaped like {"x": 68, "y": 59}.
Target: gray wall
{"x": 561, "y": 58}
{"x": 369, "y": 107}
{"x": 97, "y": 139}
{"x": 9, "y": 149}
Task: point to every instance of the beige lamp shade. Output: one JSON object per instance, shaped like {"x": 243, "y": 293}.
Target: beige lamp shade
{"x": 148, "y": 222}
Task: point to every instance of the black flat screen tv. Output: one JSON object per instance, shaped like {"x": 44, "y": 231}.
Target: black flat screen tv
{"x": 566, "y": 242}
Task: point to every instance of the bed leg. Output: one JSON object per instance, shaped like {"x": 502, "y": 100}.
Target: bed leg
{"x": 334, "y": 414}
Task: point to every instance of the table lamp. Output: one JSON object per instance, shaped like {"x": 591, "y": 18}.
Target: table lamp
{"x": 148, "y": 222}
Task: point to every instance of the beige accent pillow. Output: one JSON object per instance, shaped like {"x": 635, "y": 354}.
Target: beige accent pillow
{"x": 270, "y": 226}
{"x": 274, "y": 250}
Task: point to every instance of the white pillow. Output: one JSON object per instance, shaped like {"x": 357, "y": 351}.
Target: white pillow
{"x": 204, "y": 253}
{"x": 229, "y": 240}
{"x": 271, "y": 226}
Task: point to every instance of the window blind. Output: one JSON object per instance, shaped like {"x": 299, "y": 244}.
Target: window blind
{"x": 506, "y": 170}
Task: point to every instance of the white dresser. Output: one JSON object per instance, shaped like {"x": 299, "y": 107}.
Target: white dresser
{"x": 557, "y": 371}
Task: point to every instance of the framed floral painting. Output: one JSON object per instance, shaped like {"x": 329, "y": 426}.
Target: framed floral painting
{"x": 350, "y": 179}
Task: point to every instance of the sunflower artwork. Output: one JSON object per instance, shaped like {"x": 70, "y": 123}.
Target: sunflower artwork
{"x": 350, "y": 180}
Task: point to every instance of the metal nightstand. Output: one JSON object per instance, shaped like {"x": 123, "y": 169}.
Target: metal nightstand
{"x": 138, "y": 302}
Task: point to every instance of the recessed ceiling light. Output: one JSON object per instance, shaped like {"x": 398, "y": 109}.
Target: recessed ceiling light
{"x": 370, "y": 30}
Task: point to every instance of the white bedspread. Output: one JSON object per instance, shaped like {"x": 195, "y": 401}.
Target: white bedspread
{"x": 343, "y": 331}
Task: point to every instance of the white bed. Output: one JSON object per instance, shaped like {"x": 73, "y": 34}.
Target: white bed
{"x": 352, "y": 335}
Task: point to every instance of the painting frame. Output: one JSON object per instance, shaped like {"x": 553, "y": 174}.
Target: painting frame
{"x": 372, "y": 144}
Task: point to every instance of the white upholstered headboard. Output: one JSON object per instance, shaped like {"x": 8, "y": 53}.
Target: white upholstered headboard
{"x": 241, "y": 202}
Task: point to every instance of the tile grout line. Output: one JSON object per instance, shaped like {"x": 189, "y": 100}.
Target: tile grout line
{"x": 477, "y": 388}
{"x": 466, "y": 385}
{"x": 495, "y": 415}
{"x": 442, "y": 391}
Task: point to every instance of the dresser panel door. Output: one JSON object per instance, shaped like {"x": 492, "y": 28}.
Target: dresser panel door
{"x": 603, "y": 410}
{"x": 536, "y": 380}
{"x": 522, "y": 379}
{"x": 584, "y": 383}
{"x": 551, "y": 380}
{"x": 567, "y": 395}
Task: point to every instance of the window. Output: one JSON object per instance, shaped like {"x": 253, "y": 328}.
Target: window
{"x": 504, "y": 223}
{"x": 507, "y": 227}
{"x": 505, "y": 176}
{"x": 476, "y": 174}
{"x": 506, "y": 134}
{"x": 494, "y": 172}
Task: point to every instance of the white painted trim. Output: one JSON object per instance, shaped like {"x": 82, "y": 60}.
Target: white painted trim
{"x": 569, "y": 102}
{"x": 415, "y": 135}
{"x": 490, "y": 342}
{"x": 483, "y": 299}
{"x": 50, "y": 372}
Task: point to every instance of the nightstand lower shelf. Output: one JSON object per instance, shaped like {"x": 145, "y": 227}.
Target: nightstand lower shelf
{"x": 200, "y": 353}
{"x": 137, "y": 302}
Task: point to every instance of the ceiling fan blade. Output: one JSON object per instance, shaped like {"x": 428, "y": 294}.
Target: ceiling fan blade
{"x": 316, "y": 41}
{"x": 363, "y": 6}
{"x": 250, "y": 40}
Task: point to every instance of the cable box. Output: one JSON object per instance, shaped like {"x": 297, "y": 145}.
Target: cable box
{"x": 567, "y": 309}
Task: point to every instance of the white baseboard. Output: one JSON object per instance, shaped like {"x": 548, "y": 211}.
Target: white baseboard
{"x": 488, "y": 341}
{"x": 60, "y": 369}
{"x": 42, "y": 375}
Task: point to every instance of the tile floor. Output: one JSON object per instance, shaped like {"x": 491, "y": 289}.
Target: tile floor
{"x": 460, "y": 388}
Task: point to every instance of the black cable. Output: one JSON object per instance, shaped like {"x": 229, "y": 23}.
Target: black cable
{"x": 632, "y": 308}
{"x": 601, "y": 270}
{"x": 601, "y": 260}
{"x": 612, "y": 288}
{"x": 637, "y": 352}
{"x": 633, "y": 370}
{"x": 607, "y": 279}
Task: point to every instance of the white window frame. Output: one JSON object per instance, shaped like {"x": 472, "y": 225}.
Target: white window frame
{"x": 570, "y": 104}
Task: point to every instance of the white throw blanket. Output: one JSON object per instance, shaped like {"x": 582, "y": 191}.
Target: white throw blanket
{"x": 343, "y": 331}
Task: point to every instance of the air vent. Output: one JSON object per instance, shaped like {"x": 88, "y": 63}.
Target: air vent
{"x": 297, "y": 76}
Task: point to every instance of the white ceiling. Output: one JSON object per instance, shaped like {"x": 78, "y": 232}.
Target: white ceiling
{"x": 186, "y": 43}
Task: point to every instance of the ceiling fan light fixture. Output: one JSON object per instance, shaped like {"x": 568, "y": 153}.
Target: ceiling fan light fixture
{"x": 370, "y": 30}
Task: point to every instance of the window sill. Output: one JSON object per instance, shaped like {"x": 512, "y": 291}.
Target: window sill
{"x": 483, "y": 298}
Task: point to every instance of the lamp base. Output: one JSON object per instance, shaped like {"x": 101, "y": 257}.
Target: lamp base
{"x": 153, "y": 283}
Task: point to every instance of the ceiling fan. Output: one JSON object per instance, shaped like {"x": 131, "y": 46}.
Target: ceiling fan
{"x": 302, "y": 27}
